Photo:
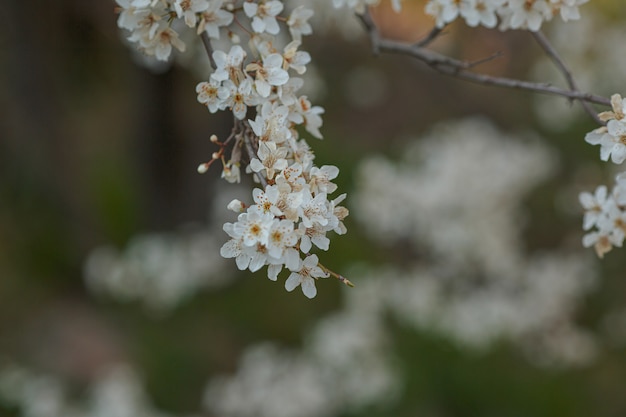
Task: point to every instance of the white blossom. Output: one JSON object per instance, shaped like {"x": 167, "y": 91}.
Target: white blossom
{"x": 593, "y": 205}
{"x": 188, "y": 10}
{"x": 253, "y": 227}
{"x": 213, "y": 18}
{"x": 528, "y": 14}
{"x": 281, "y": 237}
{"x": 294, "y": 59}
{"x": 237, "y": 98}
{"x": 264, "y": 15}
{"x": 229, "y": 65}
{"x": 268, "y": 74}
{"x": 270, "y": 159}
{"x": 298, "y": 22}
{"x": 208, "y": 95}
{"x": 305, "y": 276}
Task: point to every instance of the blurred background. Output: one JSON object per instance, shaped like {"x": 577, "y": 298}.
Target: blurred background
{"x": 474, "y": 296}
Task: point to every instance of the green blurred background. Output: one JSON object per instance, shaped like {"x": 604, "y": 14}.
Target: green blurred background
{"x": 95, "y": 149}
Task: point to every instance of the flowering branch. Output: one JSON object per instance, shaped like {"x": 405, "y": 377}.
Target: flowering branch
{"x": 292, "y": 210}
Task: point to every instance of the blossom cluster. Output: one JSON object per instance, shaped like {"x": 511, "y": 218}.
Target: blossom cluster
{"x": 292, "y": 211}
{"x": 604, "y": 211}
{"x": 469, "y": 275}
{"x": 118, "y": 391}
{"x": 512, "y": 14}
{"x": 160, "y": 270}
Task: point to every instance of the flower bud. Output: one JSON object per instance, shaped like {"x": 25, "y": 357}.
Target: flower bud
{"x": 236, "y": 205}
{"x": 202, "y": 168}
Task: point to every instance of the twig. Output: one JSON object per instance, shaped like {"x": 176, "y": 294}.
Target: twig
{"x": 341, "y": 278}
{"x": 460, "y": 69}
{"x": 491, "y": 57}
{"x": 429, "y": 38}
{"x": 370, "y": 27}
{"x": 560, "y": 64}
{"x": 206, "y": 41}
{"x": 247, "y": 142}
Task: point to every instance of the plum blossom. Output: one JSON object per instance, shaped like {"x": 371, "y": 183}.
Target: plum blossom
{"x": 213, "y": 18}
{"x": 304, "y": 112}
{"x": 237, "y": 98}
{"x": 298, "y": 22}
{"x": 188, "y": 9}
{"x": 593, "y": 205}
{"x": 157, "y": 40}
{"x": 271, "y": 159}
{"x": 321, "y": 179}
{"x": 268, "y": 200}
{"x": 268, "y": 74}
{"x": 281, "y": 237}
{"x": 612, "y": 140}
{"x": 297, "y": 60}
{"x": 234, "y": 248}
{"x": 208, "y": 95}
{"x": 513, "y": 14}
{"x": 528, "y": 14}
{"x": 271, "y": 124}
{"x": 253, "y": 227}
{"x": 305, "y": 276}
{"x": 228, "y": 65}
{"x": 315, "y": 235}
{"x": 264, "y": 15}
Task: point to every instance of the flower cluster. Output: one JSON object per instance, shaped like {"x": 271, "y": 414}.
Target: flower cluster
{"x": 292, "y": 211}
{"x": 604, "y": 211}
{"x": 512, "y": 14}
{"x": 290, "y": 216}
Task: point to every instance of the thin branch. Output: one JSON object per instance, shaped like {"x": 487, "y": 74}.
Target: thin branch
{"x": 460, "y": 69}
{"x": 341, "y": 278}
{"x": 560, "y": 64}
{"x": 246, "y": 136}
{"x": 429, "y": 38}
{"x": 370, "y": 28}
{"x": 491, "y": 57}
{"x": 206, "y": 41}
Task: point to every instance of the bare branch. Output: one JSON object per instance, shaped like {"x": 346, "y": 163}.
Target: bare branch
{"x": 206, "y": 41}
{"x": 429, "y": 38}
{"x": 491, "y": 57}
{"x": 460, "y": 69}
{"x": 560, "y": 64}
